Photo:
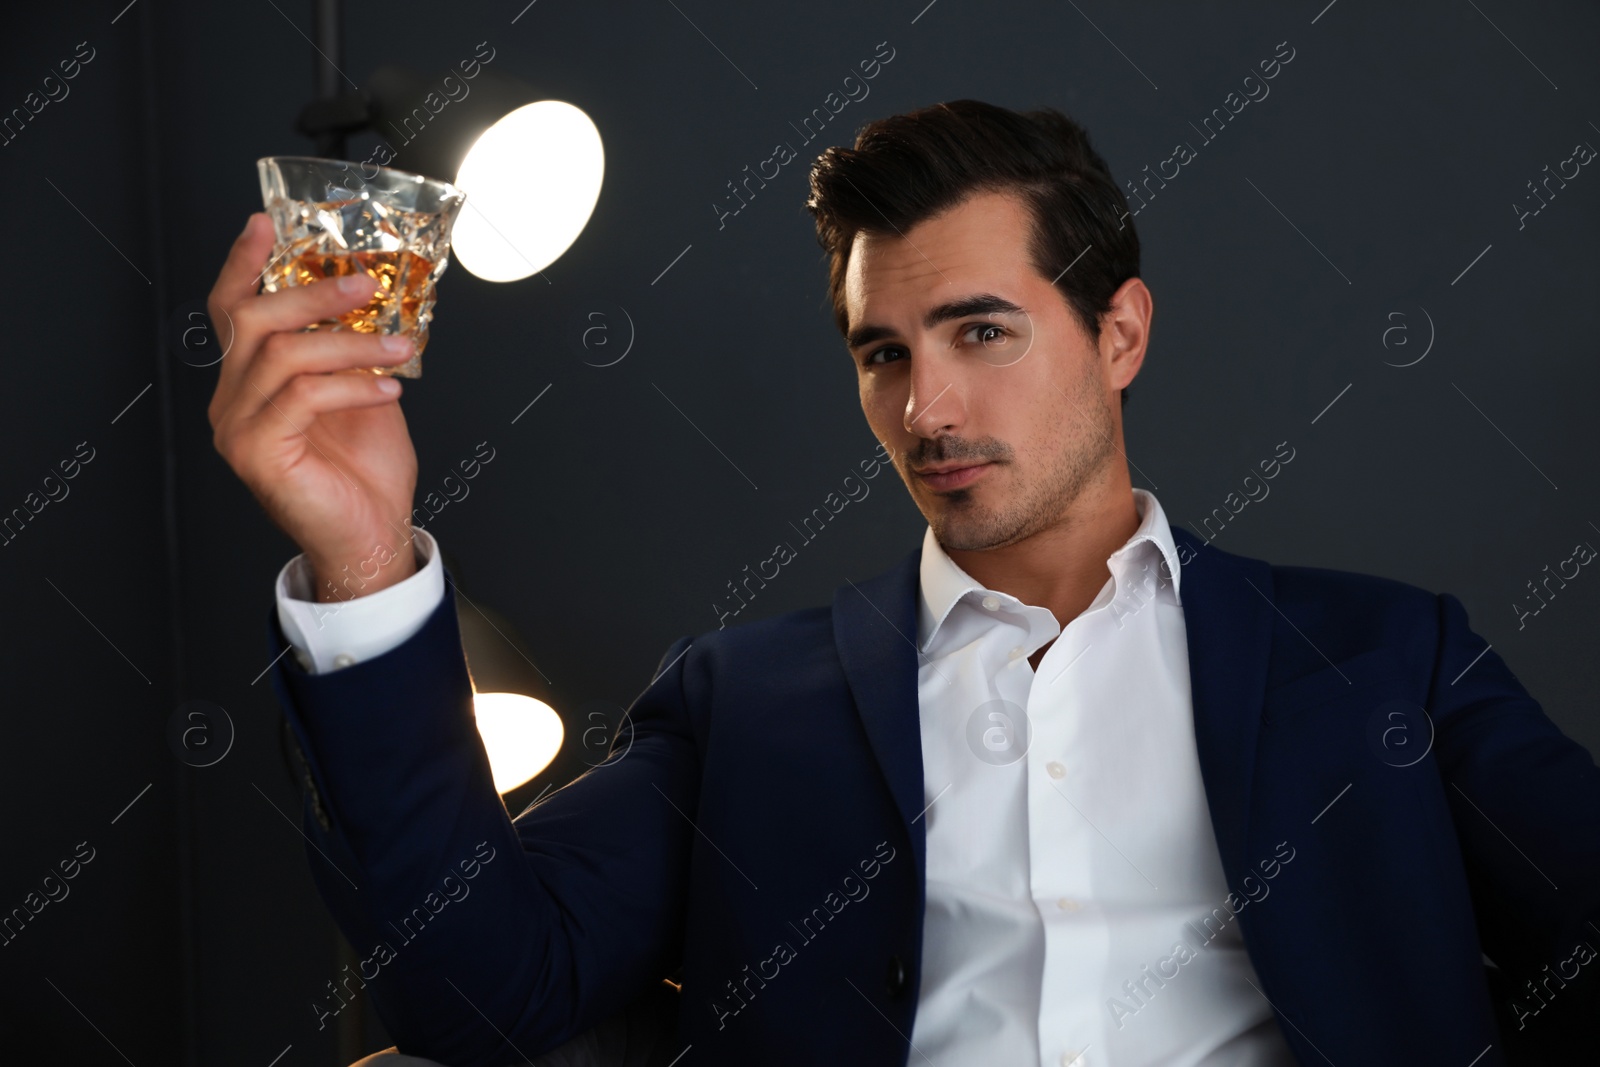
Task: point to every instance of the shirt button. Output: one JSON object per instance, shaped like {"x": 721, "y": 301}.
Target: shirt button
{"x": 992, "y": 603}
{"x": 1054, "y": 769}
{"x": 1067, "y": 904}
{"x": 343, "y": 659}
{"x": 1071, "y": 1058}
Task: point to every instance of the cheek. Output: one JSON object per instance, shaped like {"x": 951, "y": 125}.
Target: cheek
{"x": 1040, "y": 427}
{"x": 882, "y": 405}
{"x": 1016, "y": 405}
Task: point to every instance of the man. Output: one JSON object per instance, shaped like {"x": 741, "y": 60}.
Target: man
{"x": 1067, "y": 786}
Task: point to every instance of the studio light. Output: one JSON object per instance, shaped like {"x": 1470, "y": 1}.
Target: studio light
{"x": 531, "y": 167}
{"x": 520, "y": 734}
{"x": 531, "y": 180}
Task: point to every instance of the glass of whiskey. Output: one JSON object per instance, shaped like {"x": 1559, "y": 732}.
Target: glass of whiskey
{"x": 332, "y": 219}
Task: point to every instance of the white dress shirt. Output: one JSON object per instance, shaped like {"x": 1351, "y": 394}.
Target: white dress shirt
{"x": 1068, "y": 837}
{"x": 326, "y": 637}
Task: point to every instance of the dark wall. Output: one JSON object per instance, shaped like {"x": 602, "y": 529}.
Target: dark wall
{"x": 93, "y": 869}
{"x": 1367, "y": 201}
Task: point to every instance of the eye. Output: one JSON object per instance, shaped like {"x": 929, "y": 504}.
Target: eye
{"x": 892, "y": 353}
{"x": 983, "y": 326}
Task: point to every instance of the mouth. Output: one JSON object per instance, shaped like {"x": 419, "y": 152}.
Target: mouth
{"x": 952, "y": 477}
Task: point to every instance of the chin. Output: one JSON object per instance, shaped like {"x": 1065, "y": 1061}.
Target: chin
{"x": 969, "y": 530}
{"x": 966, "y": 540}
{"x": 961, "y": 523}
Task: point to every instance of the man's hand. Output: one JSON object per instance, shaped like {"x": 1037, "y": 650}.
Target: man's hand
{"x": 327, "y": 454}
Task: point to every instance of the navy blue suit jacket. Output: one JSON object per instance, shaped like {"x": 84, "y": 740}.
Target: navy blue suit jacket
{"x": 756, "y": 831}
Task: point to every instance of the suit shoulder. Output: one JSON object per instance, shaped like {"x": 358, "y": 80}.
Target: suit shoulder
{"x": 800, "y": 643}
{"x": 1342, "y": 613}
{"x": 782, "y": 627}
{"x": 1301, "y": 585}
{"x": 766, "y": 640}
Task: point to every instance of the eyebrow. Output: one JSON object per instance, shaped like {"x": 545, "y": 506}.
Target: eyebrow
{"x": 978, "y": 304}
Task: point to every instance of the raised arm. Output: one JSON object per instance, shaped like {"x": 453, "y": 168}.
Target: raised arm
{"x": 481, "y": 941}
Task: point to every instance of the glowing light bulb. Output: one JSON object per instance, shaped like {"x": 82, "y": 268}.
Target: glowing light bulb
{"x": 521, "y": 735}
{"x": 531, "y": 180}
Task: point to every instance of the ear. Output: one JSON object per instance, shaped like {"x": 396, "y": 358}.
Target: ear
{"x": 1125, "y": 331}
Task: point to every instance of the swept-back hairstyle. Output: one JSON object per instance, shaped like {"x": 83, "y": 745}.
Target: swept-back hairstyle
{"x": 907, "y": 168}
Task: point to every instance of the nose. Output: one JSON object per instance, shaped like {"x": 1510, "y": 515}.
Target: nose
{"x": 935, "y": 405}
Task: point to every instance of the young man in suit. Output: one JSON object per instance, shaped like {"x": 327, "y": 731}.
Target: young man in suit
{"x": 1067, "y": 786}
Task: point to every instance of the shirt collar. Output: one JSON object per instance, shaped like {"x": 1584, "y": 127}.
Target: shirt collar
{"x": 943, "y": 583}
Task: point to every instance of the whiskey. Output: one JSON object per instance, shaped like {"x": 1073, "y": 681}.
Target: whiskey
{"x": 405, "y": 250}
{"x": 402, "y": 294}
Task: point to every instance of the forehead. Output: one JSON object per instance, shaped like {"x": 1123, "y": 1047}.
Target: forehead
{"x": 981, "y": 244}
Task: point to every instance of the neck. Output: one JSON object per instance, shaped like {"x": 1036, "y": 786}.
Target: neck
{"x": 1062, "y": 567}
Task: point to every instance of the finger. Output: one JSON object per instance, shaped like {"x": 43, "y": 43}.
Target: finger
{"x": 284, "y": 355}
{"x": 295, "y": 407}
{"x": 288, "y": 311}
{"x": 297, "y": 306}
{"x": 243, "y": 318}
{"x": 241, "y": 274}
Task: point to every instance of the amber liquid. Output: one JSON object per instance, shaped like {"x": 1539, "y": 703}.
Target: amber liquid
{"x": 402, "y": 283}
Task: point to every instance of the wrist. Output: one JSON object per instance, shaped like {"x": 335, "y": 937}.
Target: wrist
{"x": 386, "y": 563}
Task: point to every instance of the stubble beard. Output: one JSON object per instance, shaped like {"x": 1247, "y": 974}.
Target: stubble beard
{"x": 960, "y": 523}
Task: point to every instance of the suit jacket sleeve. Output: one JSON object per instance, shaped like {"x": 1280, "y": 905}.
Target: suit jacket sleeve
{"x": 485, "y": 940}
{"x": 1525, "y": 799}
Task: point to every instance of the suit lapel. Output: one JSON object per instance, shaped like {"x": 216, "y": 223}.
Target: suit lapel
{"x": 1228, "y": 619}
{"x": 875, "y": 633}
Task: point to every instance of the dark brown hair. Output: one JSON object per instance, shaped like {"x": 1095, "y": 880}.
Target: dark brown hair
{"x": 907, "y": 168}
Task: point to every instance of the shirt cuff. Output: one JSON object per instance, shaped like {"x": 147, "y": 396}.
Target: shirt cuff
{"x": 326, "y": 637}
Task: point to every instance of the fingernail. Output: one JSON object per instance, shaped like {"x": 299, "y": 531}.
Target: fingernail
{"x": 353, "y": 283}
{"x": 395, "y": 342}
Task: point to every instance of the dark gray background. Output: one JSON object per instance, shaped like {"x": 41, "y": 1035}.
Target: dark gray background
{"x": 1386, "y": 158}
